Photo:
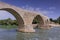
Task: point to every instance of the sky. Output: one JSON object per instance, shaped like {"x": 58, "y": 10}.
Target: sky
{"x": 50, "y": 8}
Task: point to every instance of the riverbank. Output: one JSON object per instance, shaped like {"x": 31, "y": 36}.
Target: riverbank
{"x": 8, "y": 26}
{"x": 54, "y": 25}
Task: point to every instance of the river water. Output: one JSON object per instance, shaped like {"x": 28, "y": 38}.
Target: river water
{"x": 40, "y": 34}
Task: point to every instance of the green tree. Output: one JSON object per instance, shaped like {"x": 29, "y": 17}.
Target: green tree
{"x": 58, "y": 20}
{"x": 51, "y": 19}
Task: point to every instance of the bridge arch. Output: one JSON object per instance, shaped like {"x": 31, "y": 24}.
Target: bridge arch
{"x": 25, "y": 18}
{"x": 38, "y": 21}
{"x": 18, "y": 17}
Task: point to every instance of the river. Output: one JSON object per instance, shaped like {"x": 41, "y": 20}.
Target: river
{"x": 40, "y": 34}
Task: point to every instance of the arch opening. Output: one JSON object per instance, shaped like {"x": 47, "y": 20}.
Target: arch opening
{"x": 38, "y": 21}
{"x": 19, "y": 19}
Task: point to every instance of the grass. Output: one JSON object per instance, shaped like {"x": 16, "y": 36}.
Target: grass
{"x": 8, "y": 26}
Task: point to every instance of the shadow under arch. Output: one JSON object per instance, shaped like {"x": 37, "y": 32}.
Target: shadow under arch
{"x": 16, "y": 15}
{"x": 38, "y": 21}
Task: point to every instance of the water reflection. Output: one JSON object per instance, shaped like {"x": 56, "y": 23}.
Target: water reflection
{"x": 40, "y": 34}
{"x": 54, "y": 34}
{"x": 6, "y": 34}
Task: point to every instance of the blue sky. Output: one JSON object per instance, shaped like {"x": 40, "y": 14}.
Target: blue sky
{"x": 50, "y": 8}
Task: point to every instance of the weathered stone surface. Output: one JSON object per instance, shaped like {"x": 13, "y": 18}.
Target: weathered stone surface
{"x": 27, "y": 28}
{"x": 25, "y": 17}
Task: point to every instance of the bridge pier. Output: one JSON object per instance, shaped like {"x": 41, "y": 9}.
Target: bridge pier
{"x": 44, "y": 26}
{"x": 25, "y": 18}
{"x": 26, "y": 28}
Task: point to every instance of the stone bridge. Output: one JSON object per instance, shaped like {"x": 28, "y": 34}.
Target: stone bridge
{"x": 25, "y": 18}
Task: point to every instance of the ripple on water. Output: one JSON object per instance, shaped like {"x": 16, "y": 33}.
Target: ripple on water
{"x": 51, "y": 34}
{"x": 54, "y": 33}
{"x": 6, "y": 34}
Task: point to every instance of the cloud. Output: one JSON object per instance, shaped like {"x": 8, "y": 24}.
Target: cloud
{"x": 47, "y": 12}
{"x": 41, "y": 10}
{"x": 31, "y": 8}
{"x": 28, "y": 8}
{"x": 38, "y": 9}
{"x": 52, "y": 8}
